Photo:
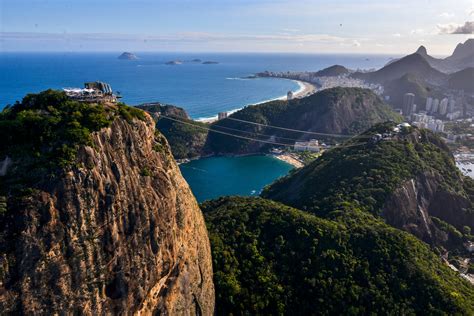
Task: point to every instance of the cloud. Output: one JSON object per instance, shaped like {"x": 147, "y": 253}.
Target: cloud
{"x": 446, "y": 15}
{"x": 417, "y": 32}
{"x": 453, "y": 28}
{"x": 397, "y": 35}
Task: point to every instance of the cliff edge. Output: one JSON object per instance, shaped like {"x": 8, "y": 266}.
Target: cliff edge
{"x": 115, "y": 230}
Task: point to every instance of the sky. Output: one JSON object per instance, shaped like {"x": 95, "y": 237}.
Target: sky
{"x": 305, "y": 26}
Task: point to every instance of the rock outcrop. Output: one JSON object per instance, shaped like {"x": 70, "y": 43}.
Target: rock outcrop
{"x": 412, "y": 206}
{"x": 119, "y": 233}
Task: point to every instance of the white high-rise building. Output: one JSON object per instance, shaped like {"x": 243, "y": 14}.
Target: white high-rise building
{"x": 429, "y": 104}
{"x": 452, "y": 105}
{"x": 443, "y": 106}
{"x": 434, "y": 108}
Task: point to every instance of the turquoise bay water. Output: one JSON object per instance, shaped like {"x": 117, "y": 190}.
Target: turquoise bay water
{"x": 219, "y": 176}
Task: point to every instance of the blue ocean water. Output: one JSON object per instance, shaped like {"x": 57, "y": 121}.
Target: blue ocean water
{"x": 203, "y": 90}
{"x": 219, "y": 176}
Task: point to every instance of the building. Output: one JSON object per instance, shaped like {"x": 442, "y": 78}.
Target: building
{"x": 435, "y": 107}
{"x": 429, "y": 104}
{"x": 222, "y": 115}
{"x": 311, "y": 145}
{"x": 92, "y": 92}
{"x": 452, "y": 105}
{"x": 408, "y": 102}
{"x": 289, "y": 95}
{"x": 443, "y": 106}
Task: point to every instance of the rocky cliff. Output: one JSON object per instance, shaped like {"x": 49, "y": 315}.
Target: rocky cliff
{"x": 118, "y": 231}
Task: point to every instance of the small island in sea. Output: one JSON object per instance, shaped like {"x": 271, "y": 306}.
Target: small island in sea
{"x": 209, "y": 62}
{"x": 174, "y": 62}
{"x": 127, "y": 56}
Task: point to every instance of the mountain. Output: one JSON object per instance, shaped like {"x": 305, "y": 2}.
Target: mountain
{"x": 271, "y": 259}
{"x": 128, "y": 56}
{"x": 463, "y": 52}
{"x": 187, "y": 138}
{"x": 409, "y": 178}
{"x": 397, "y": 88}
{"x": 462, "y": 57}
{"x": 331, "y": 111}
{"x": 333, "y": 71}
{"x": 462, "y": 80}
{"x": 96, "y": 217}
{"x": 414, "y": 64}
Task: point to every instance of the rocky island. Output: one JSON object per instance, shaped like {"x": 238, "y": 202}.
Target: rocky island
{"x": 127, "y": 56}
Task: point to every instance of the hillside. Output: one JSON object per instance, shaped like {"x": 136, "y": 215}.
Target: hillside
{"x": 414, "y": 64}
{"x": 333, "y": 71}
{"x": 95, "y": 216}
{"x": 409, "y": 179}
{"x": 462, "y": 80}
{"x": 270, "y": 259}
{"x": 331, "y": 111}
{"x": 187, "y": 140}
{"x": 397, "y": 88}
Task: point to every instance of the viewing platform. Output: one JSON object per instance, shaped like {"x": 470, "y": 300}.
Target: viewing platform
{"x": 93, "y": 92}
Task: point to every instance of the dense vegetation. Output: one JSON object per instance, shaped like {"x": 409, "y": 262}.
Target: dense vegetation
{"x": 43, "y": 133}
{"x": 272, "y": 259}
{"x": 187, "y": 138}
{"x": 331, "y": 111}
{"x": 364, "y": 171}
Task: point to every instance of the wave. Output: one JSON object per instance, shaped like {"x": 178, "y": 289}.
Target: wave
{"x": 237, "y": 78}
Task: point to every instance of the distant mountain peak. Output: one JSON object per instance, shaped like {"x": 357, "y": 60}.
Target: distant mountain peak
{"x": 422, "y": 50}
{"x": 463, "y": 50}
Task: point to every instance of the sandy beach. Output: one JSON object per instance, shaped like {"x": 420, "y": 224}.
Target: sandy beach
{"x": 289, "y": 158}
{"x": 305, "y": 89}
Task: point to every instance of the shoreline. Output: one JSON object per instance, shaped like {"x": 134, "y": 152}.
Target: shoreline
{"x": 285, "y": 157}
{"x": 304, "y": 89}
{"x": 289, "y": 159}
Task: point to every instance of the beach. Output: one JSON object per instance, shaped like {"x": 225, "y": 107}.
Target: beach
{"x": 305, "y": 89}
{"x": 290, "y": 159}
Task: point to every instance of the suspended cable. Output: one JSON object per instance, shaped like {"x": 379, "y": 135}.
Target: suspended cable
{"x": 293, "y": 130}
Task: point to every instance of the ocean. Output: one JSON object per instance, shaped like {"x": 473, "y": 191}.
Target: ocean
{"x": 203, "y": 90}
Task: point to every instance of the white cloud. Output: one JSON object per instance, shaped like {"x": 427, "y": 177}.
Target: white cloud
{"x": 397, "y": 35}
{"x": 417, "y": 32}
{"x": 446, "y": 15}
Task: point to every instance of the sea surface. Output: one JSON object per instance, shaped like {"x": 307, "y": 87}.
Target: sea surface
{"x": 203, "y": 90}
{"x": 220, "y": 176}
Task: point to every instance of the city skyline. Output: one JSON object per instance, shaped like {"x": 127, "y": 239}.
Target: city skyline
{"x": 227, "y": 26}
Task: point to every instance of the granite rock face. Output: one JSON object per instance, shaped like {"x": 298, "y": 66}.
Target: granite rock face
{"x": 121, "y": 233}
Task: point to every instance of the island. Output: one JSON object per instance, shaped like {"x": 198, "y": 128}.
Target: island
{"x": 174, "y": 62}
{"x": 127, "y": 56}
{"x": 210, "y": 63}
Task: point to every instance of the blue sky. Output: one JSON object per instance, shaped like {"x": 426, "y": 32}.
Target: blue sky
{"x": 337, "y": 26}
